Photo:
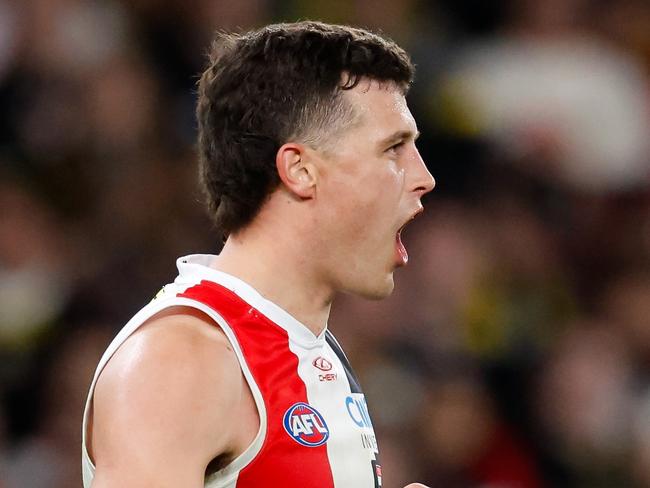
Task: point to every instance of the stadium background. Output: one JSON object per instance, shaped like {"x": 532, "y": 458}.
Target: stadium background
{"x": 515, "y": 351}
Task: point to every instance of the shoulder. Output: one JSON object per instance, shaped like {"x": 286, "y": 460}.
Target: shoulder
{"x": 172, "y": 385}
{"x": 179, "y": 347}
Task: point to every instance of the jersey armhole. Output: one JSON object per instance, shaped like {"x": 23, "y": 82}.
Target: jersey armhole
{"x": 228, "y": 474}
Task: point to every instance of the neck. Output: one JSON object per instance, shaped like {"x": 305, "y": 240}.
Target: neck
{"x": 274, "y": 264}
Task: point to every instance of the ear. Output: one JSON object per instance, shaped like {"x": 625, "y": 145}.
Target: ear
{"x": 295, "y": 170}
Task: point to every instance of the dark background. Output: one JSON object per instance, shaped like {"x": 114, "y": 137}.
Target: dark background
{"x": 515, "y": 351}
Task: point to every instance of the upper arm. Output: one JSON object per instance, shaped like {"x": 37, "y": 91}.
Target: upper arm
{"x": 163, "y": 403}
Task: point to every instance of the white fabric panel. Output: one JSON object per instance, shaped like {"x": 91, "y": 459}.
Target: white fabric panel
{"x": 350, "y": 466}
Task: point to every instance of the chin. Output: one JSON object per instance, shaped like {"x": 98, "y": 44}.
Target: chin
{"x": 379, "y": 290}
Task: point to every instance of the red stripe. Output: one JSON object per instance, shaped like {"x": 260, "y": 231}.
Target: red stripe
{"x": 282, "y": 462}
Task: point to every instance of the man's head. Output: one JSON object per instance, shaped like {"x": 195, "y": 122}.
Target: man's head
{"x": 283, "y": 83}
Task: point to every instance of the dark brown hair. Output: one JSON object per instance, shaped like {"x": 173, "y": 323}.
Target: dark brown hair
{"x": 270, "y": 86}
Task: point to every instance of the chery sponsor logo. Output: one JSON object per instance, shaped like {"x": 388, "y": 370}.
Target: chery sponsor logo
{"x": 305, "y": 425}
{"x": 324, "y": 365}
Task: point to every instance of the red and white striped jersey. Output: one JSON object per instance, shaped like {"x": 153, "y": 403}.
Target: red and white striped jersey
{"x": 315, "y": 429}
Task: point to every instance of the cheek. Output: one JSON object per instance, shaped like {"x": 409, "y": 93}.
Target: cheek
{"x": 382, "y": 192}
{"x": 390, "y": 187}
{"x": 395, "y": 169}
{"x": 393, "y": 176}
{"x": 360, "y": 201}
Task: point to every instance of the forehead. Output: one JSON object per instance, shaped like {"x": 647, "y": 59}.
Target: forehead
{"x": 380, "y": 106}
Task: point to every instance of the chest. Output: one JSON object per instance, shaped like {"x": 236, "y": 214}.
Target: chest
{"x": 319, "y": 431}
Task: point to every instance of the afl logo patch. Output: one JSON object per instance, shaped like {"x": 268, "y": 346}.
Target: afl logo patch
{"x": 305, "y": 425}
{"x": 323, "y": 364}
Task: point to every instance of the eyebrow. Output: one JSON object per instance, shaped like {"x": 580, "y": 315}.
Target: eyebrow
{"x": 399, "y": 136}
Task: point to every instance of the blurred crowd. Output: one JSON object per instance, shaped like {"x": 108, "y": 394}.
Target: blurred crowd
{"x": 515, "y": 351}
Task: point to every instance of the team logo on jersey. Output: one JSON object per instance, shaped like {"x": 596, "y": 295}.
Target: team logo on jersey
{"x": 323, "y": 364}
{"x": 305, "y": 425}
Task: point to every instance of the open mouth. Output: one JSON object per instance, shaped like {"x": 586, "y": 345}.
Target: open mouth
{"x": 402, "y": 255}
{"x": 401, "y": 252}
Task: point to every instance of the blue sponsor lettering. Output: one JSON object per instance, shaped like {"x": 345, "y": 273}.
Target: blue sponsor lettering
{"x": 358, "y": 410}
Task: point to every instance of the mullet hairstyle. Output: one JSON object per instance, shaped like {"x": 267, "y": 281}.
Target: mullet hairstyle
{"x": 275, "y": 85}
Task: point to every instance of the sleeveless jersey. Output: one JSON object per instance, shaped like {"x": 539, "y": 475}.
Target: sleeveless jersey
{"x": 315, "y": 430}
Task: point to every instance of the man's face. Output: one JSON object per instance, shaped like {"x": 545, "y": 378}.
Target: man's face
{"x": 370, "y": 185}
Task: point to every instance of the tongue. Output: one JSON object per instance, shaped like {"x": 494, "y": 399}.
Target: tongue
{"x": 401, "y": 250}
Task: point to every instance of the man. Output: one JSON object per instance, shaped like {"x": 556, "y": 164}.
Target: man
{"x": 229, "y": 378}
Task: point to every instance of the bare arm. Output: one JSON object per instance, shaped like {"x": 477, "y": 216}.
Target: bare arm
{"x": 163, "y": 402}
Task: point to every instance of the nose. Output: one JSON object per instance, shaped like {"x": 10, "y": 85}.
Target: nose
{"x": 423, "y": 181}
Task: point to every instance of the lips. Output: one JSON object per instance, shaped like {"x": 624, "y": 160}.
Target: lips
{"x": 402, "y": 255}
{"x": 411, "y": 218}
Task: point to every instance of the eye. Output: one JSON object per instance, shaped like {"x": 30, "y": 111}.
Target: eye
{"x": 395, "y": 147}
